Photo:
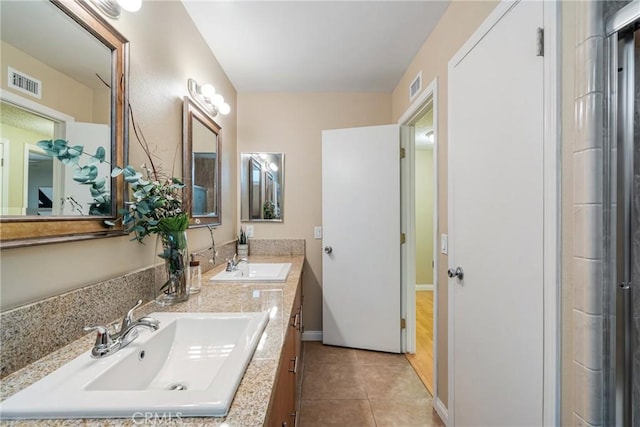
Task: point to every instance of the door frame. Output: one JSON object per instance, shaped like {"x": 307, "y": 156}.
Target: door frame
{"x": 4, "y": 178}
{"x": 428, "y": 97}
{"x": 551, "y": 169}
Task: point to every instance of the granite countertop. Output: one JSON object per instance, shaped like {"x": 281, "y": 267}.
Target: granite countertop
{"x": 250, "y": 404}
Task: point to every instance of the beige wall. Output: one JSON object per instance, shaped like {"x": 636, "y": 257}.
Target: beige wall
{"x": 165, "y": 50}
{"x": 59, "y": 92}
{"x": 457, "y": 24}
{"x": 424, "y": 217}
{"x": 292, "y": 123}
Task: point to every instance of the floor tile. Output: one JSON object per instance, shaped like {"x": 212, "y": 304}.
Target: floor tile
{"x": 366, "y": 357}
{"x": 394, "y": 382}
{"x": 316, "y": 352}
{"x": 321, "y": 413}
{"x": 331, "y": 381}
{"x": 350, "y": 387}
{"x": 405, "y": 413}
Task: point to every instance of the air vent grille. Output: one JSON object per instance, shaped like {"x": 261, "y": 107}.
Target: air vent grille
{"x": 24, "y": 83}
{"x": 415, "y": 87}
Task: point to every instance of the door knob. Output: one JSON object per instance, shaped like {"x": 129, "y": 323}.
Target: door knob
{"x": 457, "y": 273}
{"x": 328, "y": 249}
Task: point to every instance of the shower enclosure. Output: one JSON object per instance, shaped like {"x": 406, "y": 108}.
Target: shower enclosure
{"x": 622, "y": 219}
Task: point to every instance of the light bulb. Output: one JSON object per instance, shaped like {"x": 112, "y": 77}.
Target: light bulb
{"x": 130, "y": 5}
{"x": 208, "y": 91}
{"x": 273, "y": 167}
{"x": 224, "y": 109}
{"x": 217, "y": 100}
{"x": 429, "y": 136}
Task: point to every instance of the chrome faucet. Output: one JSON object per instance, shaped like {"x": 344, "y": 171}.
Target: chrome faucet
{"x": 232, "y": 264}
{"x": 107, "y": 344}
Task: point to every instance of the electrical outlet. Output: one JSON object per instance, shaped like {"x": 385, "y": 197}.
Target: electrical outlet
{"x": 317, "y": 232}
{"x": 249, "y": 231}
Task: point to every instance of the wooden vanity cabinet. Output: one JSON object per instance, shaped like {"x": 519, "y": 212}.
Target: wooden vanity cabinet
{"x": 284, "y": 407}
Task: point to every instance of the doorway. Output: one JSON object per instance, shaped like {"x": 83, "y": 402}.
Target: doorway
{"x": 420, "y": 223}
{"x": 423, "y": 159}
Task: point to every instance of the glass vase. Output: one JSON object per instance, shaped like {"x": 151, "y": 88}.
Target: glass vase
{"x": 172, "y": 279}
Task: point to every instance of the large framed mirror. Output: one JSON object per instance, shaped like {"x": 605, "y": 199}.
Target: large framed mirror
{"x": 262, "y": 187}
{"x": 64, "y": 76}
{"x": 201, "y": 143}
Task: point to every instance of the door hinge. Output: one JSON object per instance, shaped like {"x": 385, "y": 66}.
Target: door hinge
{"x": 403, "y": 323}
{"x": 403, "y": 238}
{"x": 540, "y": 42}
{"x": 403, "y": 153}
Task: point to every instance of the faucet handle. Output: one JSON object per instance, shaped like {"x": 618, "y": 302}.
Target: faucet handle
{"x": 128, "y": 319}
{"x": 103, "y": 339}
{"x": 101, "y": 329}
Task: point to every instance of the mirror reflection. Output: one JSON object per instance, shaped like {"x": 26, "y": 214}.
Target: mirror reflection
{"x": 54, "y": 90}
{"x": 201, "y": 165}
{"x": 262, "y": 186}
{"x": 64, "y": 77}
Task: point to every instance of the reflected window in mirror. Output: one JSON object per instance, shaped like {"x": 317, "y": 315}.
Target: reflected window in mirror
{"x": 67, "y": 81}
{"x": 201, "y": 165}
{"x": 262, "y": 186}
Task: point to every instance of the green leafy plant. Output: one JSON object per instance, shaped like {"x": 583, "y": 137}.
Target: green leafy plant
{"x": 268, "y": 209}
{"x": 242, "y": 237}
{"x": 156, "y": 204}
{"x": 85, "y": 174}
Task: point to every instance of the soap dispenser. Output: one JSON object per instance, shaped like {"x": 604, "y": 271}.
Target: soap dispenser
{"x": 195, "y": 275}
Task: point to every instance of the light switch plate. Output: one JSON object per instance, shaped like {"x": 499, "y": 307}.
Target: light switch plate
{"x": 317, "y": 232}
{"x": 444, "y": 244}
{"x": 249, "y": 230}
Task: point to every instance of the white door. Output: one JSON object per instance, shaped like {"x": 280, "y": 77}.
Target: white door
{"x": 361, "y": 237}
{"x": 496, "y": 224}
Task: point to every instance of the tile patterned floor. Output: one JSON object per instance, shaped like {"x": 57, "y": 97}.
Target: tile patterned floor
{"x": 359, "y": 388}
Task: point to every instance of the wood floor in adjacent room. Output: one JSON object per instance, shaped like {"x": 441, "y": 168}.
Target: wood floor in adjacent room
{"x": 422, "y": 360}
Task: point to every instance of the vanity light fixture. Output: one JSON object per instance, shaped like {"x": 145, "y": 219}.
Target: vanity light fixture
{"x": 429, "y": 136}
{"x": 113, "y": 8}
{"x": 207, "y": 98}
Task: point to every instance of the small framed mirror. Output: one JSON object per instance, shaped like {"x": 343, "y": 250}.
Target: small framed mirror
{"x": 201, "y": 166}
{"x": 262, "y": 186}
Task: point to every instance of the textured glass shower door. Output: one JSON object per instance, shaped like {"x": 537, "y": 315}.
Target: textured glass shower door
{"x": 622, "y": 221}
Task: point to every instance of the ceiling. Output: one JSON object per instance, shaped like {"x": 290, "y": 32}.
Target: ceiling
{"x": 315, "y": 46}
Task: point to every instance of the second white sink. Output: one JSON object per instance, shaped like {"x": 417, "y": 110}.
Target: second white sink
{"x": 255, "y": 272}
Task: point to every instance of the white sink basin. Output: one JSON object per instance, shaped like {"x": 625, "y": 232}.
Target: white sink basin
{"x": 255, "y": 272}
{"x": 191, "y": 366}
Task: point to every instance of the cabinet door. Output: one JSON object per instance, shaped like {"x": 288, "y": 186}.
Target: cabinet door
{"x": 284, "y": 405}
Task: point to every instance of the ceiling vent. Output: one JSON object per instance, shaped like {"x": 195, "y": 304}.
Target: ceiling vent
{"x": 24, "y": 83}
{"x": 415, "y": 87}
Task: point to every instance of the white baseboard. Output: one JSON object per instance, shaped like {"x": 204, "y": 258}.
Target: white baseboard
{"x": 441, "y": 410}
{"x": 424, "y": 287}
{"x": 312, "y": 336}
